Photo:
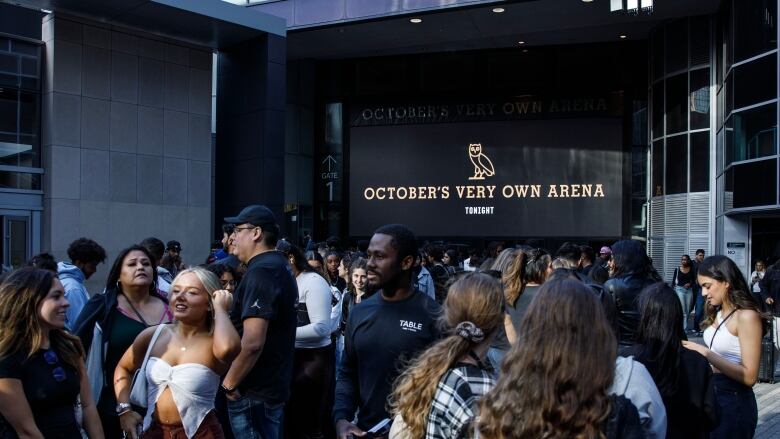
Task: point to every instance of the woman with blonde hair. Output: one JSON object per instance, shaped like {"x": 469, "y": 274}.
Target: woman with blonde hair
{"x": 437, "y": 396}
{"x": 555, "y": 379}
{"x": 185, "y": 362}
{"x": 42, "y": 370}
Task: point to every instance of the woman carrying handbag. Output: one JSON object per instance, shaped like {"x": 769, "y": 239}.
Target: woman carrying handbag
{"x": 180, "y": 364}
{"x": 129, "y": 305}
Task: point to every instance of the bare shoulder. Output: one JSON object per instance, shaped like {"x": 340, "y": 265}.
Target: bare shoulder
{"x": 748, "y": 320}
{"x": 748, "y": 316}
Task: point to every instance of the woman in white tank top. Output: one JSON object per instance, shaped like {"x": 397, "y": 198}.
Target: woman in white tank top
{"x": 733, "y": 344}
{"x": 185, "y": 362}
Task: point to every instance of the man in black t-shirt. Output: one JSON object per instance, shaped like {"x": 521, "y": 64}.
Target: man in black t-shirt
{"x": 258, "y": 382}
{"x": 383, "y": 332}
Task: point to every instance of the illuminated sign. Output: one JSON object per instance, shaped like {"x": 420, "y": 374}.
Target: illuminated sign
{"x": 532, "y": 178}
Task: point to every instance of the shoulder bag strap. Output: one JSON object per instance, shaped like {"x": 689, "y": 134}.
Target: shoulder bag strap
{"x": 135, "y": 310}
{"x": 151, "y": 344}
{"x": 718, "y": 328}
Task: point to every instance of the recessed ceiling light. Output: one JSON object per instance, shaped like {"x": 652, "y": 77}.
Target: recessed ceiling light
{"x": 587, "y": 1}
{"x": 498, "y": 10}
{"x": 416, "y": 20}
{"x": 623, "y": 37}
{"x": 521, "y": 42}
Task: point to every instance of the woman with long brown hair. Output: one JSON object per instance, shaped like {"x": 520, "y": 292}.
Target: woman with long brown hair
{"x": 522, "y": 281}
{"x": 554, "y": 380}
{"x": 42, "y": 370}
{"x": 437, "y": 396}
{"x": 732, "y": 336}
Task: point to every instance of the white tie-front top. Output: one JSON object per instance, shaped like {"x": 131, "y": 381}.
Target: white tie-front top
{"x": 193, "y": 387}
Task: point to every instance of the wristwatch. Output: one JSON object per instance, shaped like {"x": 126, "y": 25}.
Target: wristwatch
{"x": 122, "y": 408}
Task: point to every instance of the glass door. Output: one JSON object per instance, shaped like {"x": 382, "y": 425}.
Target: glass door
{"x": 16, "y": 241}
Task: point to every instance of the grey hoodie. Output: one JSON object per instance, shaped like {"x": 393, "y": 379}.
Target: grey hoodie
{"x": 633, "y": 381}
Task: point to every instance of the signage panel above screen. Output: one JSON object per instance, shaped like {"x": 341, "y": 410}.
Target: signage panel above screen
{"x": 519, "y": 178}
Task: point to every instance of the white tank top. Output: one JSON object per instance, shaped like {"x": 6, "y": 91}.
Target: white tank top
{"x": 725, "y": 344}
{"x": 193, "y": 387}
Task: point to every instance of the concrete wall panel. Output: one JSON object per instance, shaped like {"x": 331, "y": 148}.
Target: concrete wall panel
{"x": 127, "y": 141}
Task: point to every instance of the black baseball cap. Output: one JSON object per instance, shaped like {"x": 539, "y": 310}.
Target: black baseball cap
{"x": 257, "y": 215}
{"x": 173, "y": 245}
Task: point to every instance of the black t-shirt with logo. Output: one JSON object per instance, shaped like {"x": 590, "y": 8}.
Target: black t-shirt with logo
{"x": 380, "y": 338}
{"x": 268, "y": 291}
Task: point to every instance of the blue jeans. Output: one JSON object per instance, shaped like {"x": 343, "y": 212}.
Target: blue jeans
{"x": 255, "y": 419}
{"x": 684, "y": 294}
{"x": 496, "y": 356}
{"x": 739, "y": 412}
{"x": 698, "y": 314}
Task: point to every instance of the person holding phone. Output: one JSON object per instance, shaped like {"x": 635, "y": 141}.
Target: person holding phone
{"x": 732, "y": 344}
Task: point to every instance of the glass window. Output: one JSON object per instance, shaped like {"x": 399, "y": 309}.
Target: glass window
{"x": 676, "y": 100}
{"x": 719, "y": 151}
{"x": 755, "y": 30}
{"x": 658, "y": 53}
{"x": 700, "y": 40}
{"x": 658, "y": 109}
{"x": 639, "y": 172}
{"x": 676, "y": 165}
{"x": 754, "y": 134}
{"x": 699, "y": 99}
{"x": 754, "y": 184}
{"x": 729, "y": 86}
{"x": 700, "y": 161}
{"x": 677, "y": 46}
{"x": 658, "y": 168}
{"x": 20, "y": 180}
{"x": 755, "y": 81}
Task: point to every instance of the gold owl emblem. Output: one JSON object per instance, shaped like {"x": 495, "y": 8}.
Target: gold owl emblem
{"x": 483, "y": 167}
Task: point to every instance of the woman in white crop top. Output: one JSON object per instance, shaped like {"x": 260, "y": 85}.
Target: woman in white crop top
{"x": 733, "y": 344}
{"x": 185, "y": 363}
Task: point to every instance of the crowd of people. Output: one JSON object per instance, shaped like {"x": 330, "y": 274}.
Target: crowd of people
{"x": 269, "y": 339}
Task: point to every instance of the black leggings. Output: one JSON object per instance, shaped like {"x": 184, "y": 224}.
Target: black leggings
{"x": 313, "y": 371}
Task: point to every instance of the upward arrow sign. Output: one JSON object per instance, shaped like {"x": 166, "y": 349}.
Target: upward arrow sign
{"x": 330, "y": 161}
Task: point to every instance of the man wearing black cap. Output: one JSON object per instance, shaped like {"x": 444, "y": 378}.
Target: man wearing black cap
{"x": 258, "y": 382}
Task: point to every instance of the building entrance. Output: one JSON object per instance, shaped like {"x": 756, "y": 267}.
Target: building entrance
{"x": 765, "y": 239}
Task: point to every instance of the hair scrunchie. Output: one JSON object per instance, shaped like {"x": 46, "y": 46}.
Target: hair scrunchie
{"x": 470, "y": 332}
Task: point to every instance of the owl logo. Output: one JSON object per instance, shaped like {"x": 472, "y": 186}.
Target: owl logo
{"x": 483, "y": 167}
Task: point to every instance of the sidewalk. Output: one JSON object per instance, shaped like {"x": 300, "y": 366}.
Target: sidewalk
{"x": 768, "y": 398}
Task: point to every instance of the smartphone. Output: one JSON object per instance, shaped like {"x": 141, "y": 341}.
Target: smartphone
{"x": 381, "y": 429}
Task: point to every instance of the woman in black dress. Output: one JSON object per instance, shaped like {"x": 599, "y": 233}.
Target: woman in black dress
{"x": 42, "y": 370}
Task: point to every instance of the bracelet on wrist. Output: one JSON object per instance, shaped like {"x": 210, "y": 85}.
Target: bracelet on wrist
{"x": 227, "y": 390}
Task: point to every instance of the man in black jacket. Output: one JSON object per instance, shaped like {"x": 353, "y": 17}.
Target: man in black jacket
{"x": 382, "y": 333}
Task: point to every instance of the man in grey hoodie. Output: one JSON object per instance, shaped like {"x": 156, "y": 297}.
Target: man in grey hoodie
{"x": 85, "y": 254}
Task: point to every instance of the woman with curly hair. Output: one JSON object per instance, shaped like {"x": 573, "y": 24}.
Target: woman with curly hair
{"x": 733, "y": 344}
{"x": 42, "y": 370}
{"x": 554, "y": 380}
{"x": 437, "y": 396}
